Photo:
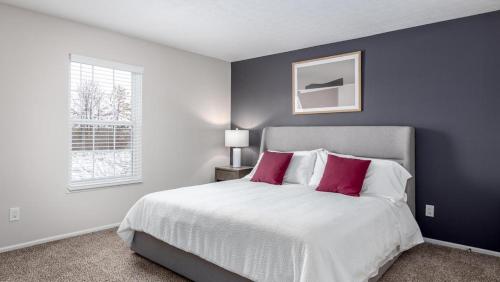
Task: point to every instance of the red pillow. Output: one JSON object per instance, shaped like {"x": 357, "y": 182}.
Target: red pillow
{"x": 343, "y": 175}
{"x": 272, "y": 167}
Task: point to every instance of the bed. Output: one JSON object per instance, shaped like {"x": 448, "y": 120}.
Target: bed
{"x": 244, "y": 231}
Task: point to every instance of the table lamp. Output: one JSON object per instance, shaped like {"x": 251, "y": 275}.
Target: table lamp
{"x": 236, "y": 139}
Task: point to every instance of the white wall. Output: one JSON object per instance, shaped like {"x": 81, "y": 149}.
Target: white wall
{"x": 186, "y": 107}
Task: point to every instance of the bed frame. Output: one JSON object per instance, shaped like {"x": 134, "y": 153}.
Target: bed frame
{"x": 384, "y": 142}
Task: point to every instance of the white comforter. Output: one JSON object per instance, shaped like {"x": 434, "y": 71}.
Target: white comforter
{"x": 277, "y": 233}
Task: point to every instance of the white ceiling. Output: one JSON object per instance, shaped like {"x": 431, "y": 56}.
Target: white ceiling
{"x": 234, "y": 30}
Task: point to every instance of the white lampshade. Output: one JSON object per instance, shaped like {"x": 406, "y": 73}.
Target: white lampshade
{"x": 236, "y": 138}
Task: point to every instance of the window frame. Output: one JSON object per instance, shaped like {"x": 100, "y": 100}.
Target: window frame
{"x": 135, "y": 123}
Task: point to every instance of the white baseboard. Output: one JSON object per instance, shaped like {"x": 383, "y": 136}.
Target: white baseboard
{"x": 57, "y": 237}
{"x": 462, "y": 247}
{"x": 109, "y": 226}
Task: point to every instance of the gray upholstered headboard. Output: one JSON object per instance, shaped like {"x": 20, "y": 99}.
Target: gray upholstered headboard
{"x": 384, "y": 142}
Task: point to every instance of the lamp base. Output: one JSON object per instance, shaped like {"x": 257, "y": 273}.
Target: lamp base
{"x": 236, "y": 157}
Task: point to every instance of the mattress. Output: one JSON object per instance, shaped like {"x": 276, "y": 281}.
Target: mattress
{"x": 277, "y": 233}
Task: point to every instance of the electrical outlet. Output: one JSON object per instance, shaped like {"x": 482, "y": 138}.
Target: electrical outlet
{"x": 429, "y": 210}
{"x": 14, "y": 214}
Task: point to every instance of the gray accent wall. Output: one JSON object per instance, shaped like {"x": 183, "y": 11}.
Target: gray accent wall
{"x": 444, "y": 80}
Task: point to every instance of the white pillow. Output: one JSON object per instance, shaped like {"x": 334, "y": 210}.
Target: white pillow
{"x": 384, "y": 178}
{"x": 299, "y": 170}
{"x": 254, "y": 169}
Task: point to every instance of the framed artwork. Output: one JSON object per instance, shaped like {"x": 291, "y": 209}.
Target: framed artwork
{"x": 327, "y": 85}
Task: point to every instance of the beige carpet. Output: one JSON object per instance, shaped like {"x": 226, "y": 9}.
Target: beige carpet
{"x": 102, "y": 256}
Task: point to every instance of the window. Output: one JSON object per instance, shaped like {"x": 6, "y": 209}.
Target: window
{"x": 105, "y": 116}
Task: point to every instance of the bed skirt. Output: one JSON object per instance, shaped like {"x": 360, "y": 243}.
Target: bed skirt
{"x": 194, "y": 267}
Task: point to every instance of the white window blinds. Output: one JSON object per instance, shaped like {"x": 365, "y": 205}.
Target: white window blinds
{"x": 105, "y": 114}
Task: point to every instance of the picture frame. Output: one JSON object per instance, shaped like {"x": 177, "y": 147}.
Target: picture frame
{"x": 327, "y": 85}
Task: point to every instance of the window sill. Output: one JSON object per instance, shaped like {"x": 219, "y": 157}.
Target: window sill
{"x": 101, "y": 185}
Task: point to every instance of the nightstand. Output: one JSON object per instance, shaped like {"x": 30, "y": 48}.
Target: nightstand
{"x": 223, "y": 173}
